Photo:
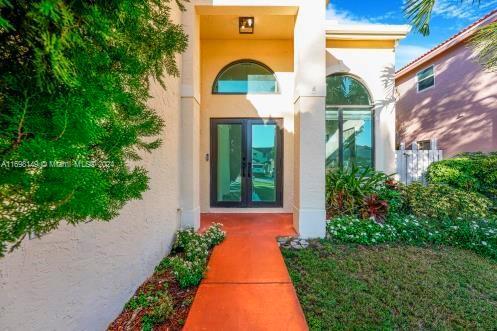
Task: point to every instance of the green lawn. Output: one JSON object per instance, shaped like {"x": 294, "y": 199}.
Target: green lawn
{"x": 397, "y": 287}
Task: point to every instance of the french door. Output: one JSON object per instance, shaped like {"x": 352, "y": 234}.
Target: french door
{"x": 246, "y": 162}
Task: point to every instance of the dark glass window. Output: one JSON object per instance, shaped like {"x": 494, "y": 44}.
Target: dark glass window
{"x": 349, "y": 123}
{"x": 426, "y": 78}
{"x": 346, "y": 90}
{"x": 245, "y": 77}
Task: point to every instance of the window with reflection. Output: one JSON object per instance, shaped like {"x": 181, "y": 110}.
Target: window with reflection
{"x": 245, "y": 77}
{"x": 349, "y": 123}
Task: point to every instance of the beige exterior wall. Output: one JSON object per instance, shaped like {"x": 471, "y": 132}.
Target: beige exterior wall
{"x": 309, "y": 113}
{"x": 278, "y": 55}
{"x": 80, "y": 277}
{"x": 190, "y": 120}
{"x": 373, "y": 62}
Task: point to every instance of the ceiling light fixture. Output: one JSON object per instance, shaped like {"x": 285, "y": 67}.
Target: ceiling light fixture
{"x": 246, "y": 25}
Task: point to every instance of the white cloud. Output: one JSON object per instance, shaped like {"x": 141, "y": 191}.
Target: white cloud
{"x": 407, "y": 53}
{"x": 346, "y": 17}
{"x": 490, "y": 5}
{"x": 387, "y": 17}
{"x": 343, "y": 16}
{"x": 449, "y": 9}
{"x": 465, "y": 10}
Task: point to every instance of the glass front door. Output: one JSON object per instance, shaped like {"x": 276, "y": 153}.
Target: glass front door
{"x": 246, "y": 162}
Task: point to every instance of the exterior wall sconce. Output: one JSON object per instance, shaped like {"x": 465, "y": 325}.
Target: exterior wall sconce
{"x": 246, "y": 25}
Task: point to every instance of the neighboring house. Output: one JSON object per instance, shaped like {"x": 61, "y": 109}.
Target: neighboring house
{"x": 294, "y": 95}
{"x": 447, "y": 95}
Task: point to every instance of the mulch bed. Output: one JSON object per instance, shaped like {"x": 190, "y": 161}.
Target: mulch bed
{"x": 130, "y": 320}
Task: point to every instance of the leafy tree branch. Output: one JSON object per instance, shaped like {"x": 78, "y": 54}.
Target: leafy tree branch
{"x": 484, "y": 41}
{"x": 74, "y": 86}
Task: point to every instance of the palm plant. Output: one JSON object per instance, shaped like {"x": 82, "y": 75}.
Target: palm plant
{"x": 484, "y": 41}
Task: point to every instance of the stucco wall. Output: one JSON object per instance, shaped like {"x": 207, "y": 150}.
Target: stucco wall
{"x": 278, "y": 55}
{"x": 309, "y": 114}
{"x": 78, "y": 278}
{"x": 460, "y": 111}
{"x": 373, "y": 63}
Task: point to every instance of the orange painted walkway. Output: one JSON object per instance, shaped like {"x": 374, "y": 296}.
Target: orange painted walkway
{"x": 247, "y": 286}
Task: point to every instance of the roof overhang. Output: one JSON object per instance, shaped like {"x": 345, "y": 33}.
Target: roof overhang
{"x": 459, "y": 37}
{"x": 246, "y": 10}
{"x": 338, "y": 31}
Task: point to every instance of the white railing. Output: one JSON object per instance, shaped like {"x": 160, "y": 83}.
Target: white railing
{"x": 412, "y": 164}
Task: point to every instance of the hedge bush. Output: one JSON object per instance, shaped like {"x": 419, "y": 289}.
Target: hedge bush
{"x": 475, "y": 172}
{"x": 476, "y": 235}
{"x": 441, "y": 202}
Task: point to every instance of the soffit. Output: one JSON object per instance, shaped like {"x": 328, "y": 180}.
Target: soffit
{"x": 265, "y": 27}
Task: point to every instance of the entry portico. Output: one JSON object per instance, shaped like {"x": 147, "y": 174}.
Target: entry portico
{"x": 258, "y": 129}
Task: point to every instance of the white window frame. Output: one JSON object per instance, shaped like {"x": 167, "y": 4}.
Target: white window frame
{"x": 432, "y": 75}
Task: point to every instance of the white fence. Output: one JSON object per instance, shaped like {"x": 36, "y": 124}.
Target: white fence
{"x": 412, "y": 164}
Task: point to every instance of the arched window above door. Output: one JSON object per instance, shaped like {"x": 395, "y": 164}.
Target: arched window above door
{"x": 343, "y": 89}
{"x": 349, "y": 123}
{"x": 245, "y": 77}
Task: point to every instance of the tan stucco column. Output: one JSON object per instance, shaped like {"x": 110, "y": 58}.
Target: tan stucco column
{"x": 309, "y": 107}
{"x": 190, "y": 123}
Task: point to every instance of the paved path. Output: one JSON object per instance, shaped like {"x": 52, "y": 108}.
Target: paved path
{"x": 247, "y": 286}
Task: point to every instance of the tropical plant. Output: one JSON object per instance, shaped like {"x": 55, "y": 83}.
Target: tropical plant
{"x": 347, "y": 188}
{"x": 393, "y": 197}
{"x": 74, "y": 86}
{"x": 374, "y": 208}
{"x": 484, "y": 41}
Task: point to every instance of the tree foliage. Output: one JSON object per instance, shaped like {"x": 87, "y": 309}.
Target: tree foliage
{"x": 74, "y": 81}
{"x": 484, "y": 40}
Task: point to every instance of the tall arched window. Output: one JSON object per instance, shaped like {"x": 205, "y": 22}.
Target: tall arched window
{"x": 245, "y": 77}
{"x": 349, "y": 123}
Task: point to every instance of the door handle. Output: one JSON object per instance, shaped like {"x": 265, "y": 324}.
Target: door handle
{"x": 243, "y": 167}
{"x": 249, "y": 170}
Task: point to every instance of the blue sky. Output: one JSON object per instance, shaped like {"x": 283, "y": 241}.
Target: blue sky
{"x": 449, "y": 17}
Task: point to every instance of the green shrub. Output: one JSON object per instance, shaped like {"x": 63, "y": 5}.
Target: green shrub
{"x": 476, "y": 235}
{"x": 183, "y": 238}
{"x": 191, "y": 244}
{"x": 392, "y": 195}
{"x": 479, "y": 236}
{"x": 141, "y": 300}
{"x": 192, "y": 248}
{"x": 196, "y": 245}
{"x": 440, "y": 201}
{"x": 347, "y": 189}
{"x": 162, "y": 310}
{"x": 145, "y": 299}
{"x": 197, "y": 249}
{"x": 417, "y": 231}
{"x": 187, "y": 273}
{"x": 475, "y": 172}
{"x": 354, "y": 230}
{"x": 214, "y": 234}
